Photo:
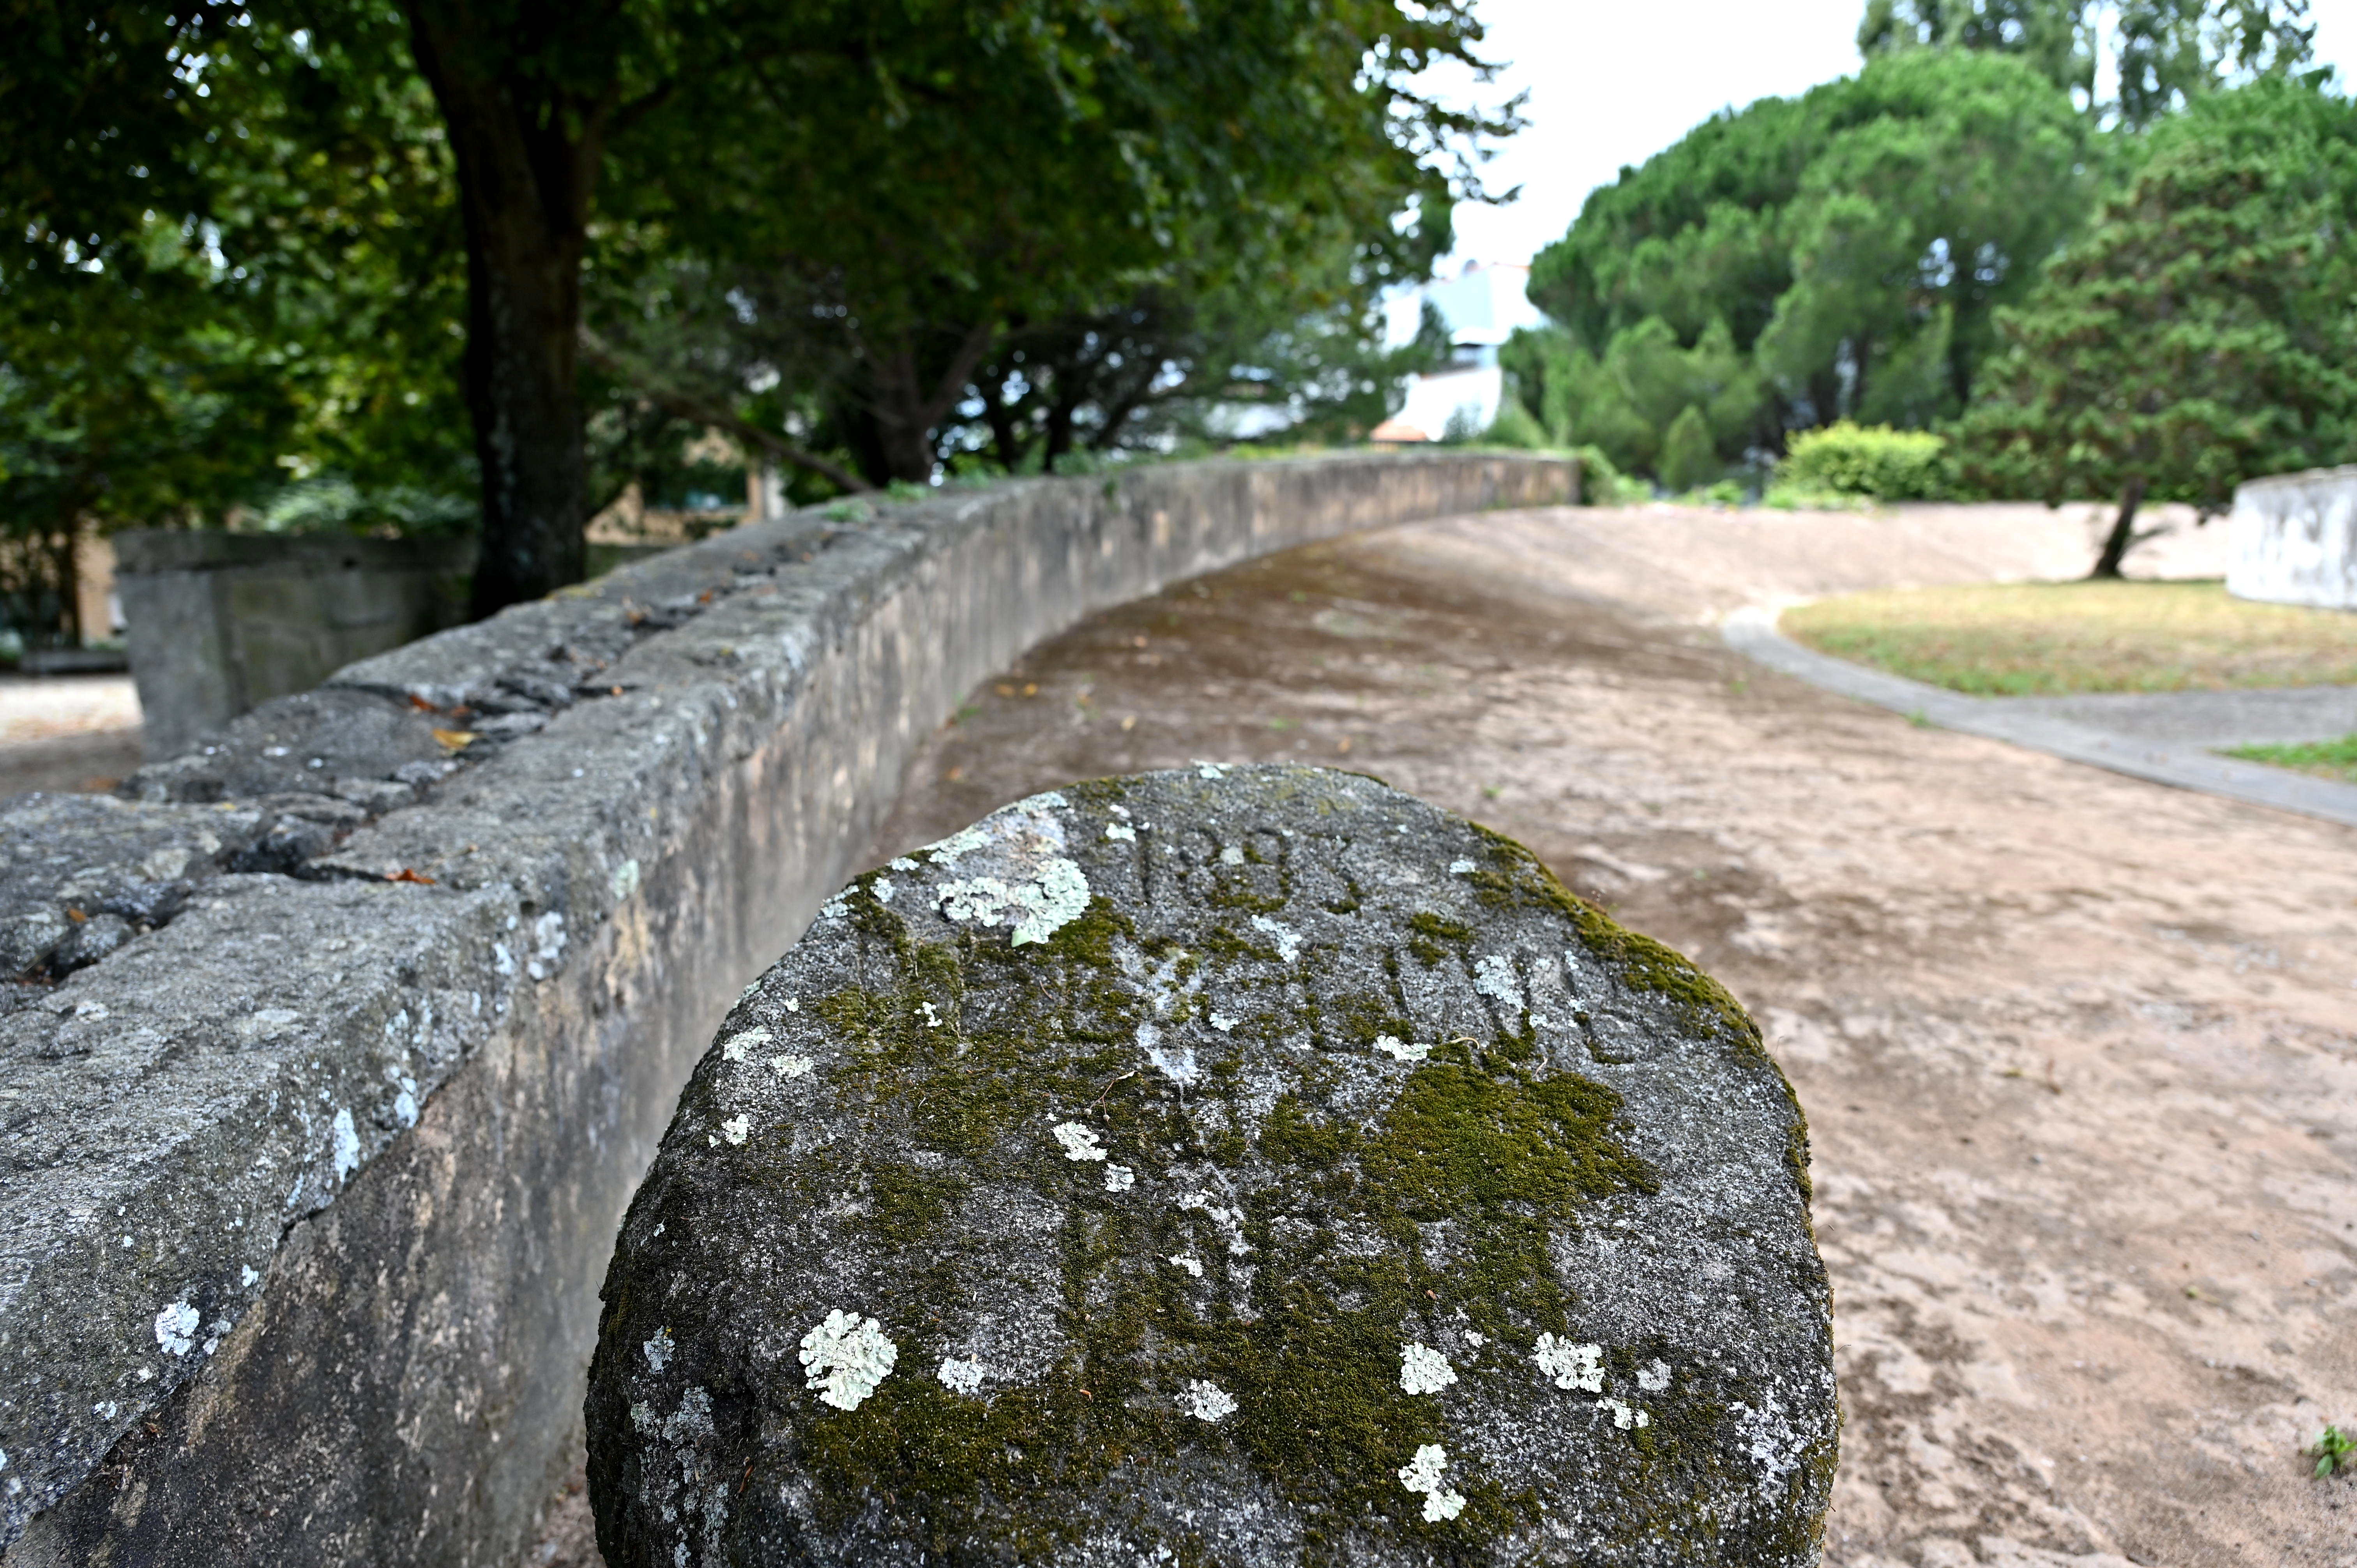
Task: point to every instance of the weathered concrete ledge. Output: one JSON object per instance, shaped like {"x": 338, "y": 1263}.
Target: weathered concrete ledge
{"x": 340, "y": 1061}
{"x": 2295, "y": 539}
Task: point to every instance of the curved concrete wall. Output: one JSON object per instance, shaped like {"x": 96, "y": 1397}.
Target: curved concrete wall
{"x": 2295, "y": 539}
{"x": 357, "y": 1024}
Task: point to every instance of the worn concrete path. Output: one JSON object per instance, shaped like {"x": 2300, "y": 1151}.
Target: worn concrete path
{"x": 2078, "y": 1049}
{"x": 67, "y": 733}
{"x": 2269, "y": 715}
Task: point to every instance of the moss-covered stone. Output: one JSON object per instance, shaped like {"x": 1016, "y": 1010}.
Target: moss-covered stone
{"x": 1191, "y": 1214}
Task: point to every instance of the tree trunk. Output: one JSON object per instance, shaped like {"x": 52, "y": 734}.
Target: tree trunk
{"x": 527, "y": 165}
{"x": 2122, "y": 535}
{"x": 65, "y": 567}
{"x": 908, "y": 397}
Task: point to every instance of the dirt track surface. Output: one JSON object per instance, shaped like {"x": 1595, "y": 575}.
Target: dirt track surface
{"x": 67, "y": 734}
{"x": 2077, "y": 1050}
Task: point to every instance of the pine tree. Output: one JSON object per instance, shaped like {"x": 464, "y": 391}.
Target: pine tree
{"x": 2200, "y": 333}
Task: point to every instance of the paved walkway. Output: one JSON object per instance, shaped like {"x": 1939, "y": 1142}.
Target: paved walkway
{"x": 2164, "y": 736}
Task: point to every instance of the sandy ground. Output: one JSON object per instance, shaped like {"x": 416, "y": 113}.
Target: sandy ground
{"x": 2077, "y": 1050}
{"x": 67, "y": 731}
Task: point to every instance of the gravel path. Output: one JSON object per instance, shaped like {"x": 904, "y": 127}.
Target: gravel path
{"x": 2077, "y": 1050}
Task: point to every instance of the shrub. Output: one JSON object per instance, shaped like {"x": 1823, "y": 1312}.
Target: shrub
{"x": 1602, "y": 484}
{"x": 1515, "y": 427}
{"x": 1846, "y": 460}
{"x": 1689, "y": 456}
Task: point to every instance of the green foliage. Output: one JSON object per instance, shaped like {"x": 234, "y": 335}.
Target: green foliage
{"x": 2167, "y": 52}
{"x": 1602, "y": 484}
{"x": 2334, "y": 1450}
{"x": 1873, "y": 461}
{"x": 2200, "y": 333}
{"x": 1836, "y": 255}
{"x": 1689, "y": 461}
{"x": 1014, "y": 242}
{"x": 1514, "y": 426}
{"x": 226, "y": 286}
{"x": 2335, "y": 759}
{"x": 1625, "y": 402}
{"x": 2054, "y": 36}
{"x": 812, "y": 226}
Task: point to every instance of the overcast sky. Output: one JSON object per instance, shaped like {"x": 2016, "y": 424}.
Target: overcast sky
{"x": 1612, "y": 84}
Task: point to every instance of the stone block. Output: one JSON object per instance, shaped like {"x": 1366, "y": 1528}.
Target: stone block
{"x": 2294, "y": 538}
{"x": 220, "y": 623}
{"x": 1232, "y": 1165}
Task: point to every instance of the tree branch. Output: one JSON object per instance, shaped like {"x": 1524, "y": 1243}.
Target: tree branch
{"x": 686, "y": 405}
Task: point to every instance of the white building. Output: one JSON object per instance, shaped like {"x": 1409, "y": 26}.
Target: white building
{"x": 1482, "y": 306}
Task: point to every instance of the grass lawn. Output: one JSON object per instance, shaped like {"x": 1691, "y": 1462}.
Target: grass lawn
{"x": 2326, "y": 759}
{"x": 2048, "y": 639}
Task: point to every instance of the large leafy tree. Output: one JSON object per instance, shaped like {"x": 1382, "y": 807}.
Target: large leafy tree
{"x": 1005, "y": 226}
{"x": 1836, "y": 254}
{"x": 2166, "y": 52}
{"x": 895, "y": 182}
{"x": 2201, "y": 331}
{"x": 227, "y": 293}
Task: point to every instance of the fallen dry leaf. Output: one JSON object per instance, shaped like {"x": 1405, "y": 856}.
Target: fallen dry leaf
{"x": 454, "y": 739}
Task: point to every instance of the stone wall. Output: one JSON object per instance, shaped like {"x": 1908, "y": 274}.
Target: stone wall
{"x": 344, "y": 1038}
{"x": 220, "y": 623}
{"x": 2295, "y": 539}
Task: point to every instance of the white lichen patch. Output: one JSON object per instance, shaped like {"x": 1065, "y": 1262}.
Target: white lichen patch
{"x": 1625, "y": 1416}
{"x": 405, "y": 1104}
{"x": 791, "y": 1067}
{"x": 1421, "y": 1475}
{"x": 1175, "y": 1061}
{"x": 1401, "y": 1050}
{"x": 1655, "y": 1378}
{"x": 1223, "y": 1023}
{"x": 1476, "y": 1340}
{"x": 962, "y": 842}
{"x": 1080, "y": 1141}
{"x": 1192, "y": 1266}
{"x": 1120, "y": 1178}
{"x": 1231, "y": 855}
{"x": 1423, "y": 1369}
{"x": 1571, "y": 1366}
{"x": 624, "y": 880}
{"x": 734, "y": 1047}
{"x": 1039, "y": 907}
{"x": 1121, "y": 833}
{"x": 175, "y": 1329}
{"x": 1494, "y": 976}
{"x": 931, "y": 1019}
{"x": 1287, "y": 940}
{"x": 347, "y": 1144}
{"x": 1231, "y": 1221}
{"x": 736, "y": 1128}
{"x": 844, "y": 1358}
{"x": 1209, "y": 769}
{"x": 960, "y": 1377}
{"x": 658, "y": 1348}
{"x": 883, "y": 889}
{"x": 1460, "y": 868}
{"x": 1207, "y": 1402}
{"x": 794, "y": 1003}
